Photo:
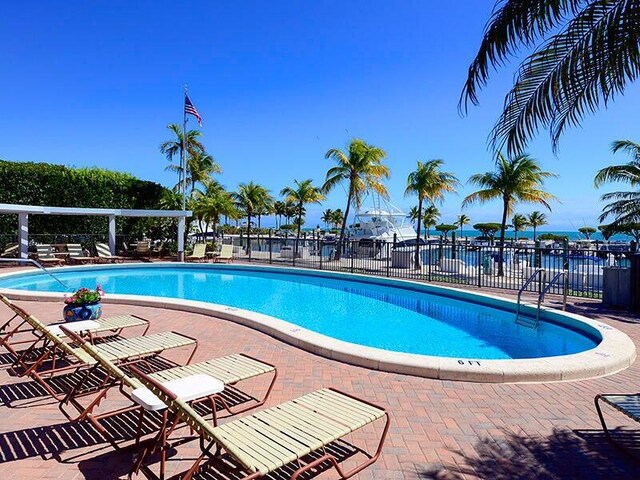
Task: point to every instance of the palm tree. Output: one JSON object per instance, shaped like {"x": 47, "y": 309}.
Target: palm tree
{"x": 625, "y": 207}
{"x": 430, "y": 219}
{"x": 200, "y": 167}
{"x": 327, "y": 216}
{"x": 519, "y": 223}
{"x": 210, "y": 205}
{"x": 413, "y": 213}
{"x": 536, "y": 219}
{"x": 429, "y": 183}
{"x": 250, "y": 198}
{"x": 361, "y": 167}
{"x": 265, "y": 208}
{"x": 279, "y": 211}
{"x": 290, "y": 211}
{"x": 337, "y": 218}
{"x": 462, "y": 221}
{"x": 301, "y": 194}
{"x": 584, "y": 54}
{"x": 516, "y": 180}
{"x": 172, "y": 148}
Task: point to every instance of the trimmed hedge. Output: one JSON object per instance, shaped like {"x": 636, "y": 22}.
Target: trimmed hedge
{"x": 31, "y": 183}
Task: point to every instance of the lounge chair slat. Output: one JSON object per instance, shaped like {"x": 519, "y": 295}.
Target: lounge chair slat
{"x": 129, "y": 347}
{"x": 301, "y": 434}
{"x": 324, "y": 428}
{"x": 120, "y": 321}
{"x": 230, "y": 369}
{"x": 340, "y": 407}
{"x": 354, "y": 404}
{"x": 257, "y": 451}
{"x": 292, "y": 429}
{"x": 260, "y": 450}
{"x": 327, "y": 402}
{"x": 627, "y": 404}
{"x": 270, "y": 426}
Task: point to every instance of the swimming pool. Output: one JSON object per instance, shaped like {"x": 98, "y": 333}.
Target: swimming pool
{"x": 393, "y": 316}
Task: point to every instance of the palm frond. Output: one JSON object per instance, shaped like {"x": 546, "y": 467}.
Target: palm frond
{"x": 572, "y": 74}
{"x": 513, "y": 24}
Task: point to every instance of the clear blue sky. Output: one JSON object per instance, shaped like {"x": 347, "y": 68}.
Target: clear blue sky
{"x": 277, "y": 83}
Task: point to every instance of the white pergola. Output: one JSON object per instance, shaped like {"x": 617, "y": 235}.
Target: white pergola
{"x": 23, "y": 212}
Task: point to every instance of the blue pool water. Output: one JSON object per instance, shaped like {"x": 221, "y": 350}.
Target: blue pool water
{"x": 381, "y": 316}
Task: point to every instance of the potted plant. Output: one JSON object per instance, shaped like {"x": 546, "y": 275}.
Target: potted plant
{"x": 84, "y": 304}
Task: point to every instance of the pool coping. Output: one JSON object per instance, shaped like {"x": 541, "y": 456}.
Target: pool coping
{"x": 614, "y": 353}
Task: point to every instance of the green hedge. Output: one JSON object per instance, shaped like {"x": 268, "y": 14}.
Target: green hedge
{"x": 59, "y": 186}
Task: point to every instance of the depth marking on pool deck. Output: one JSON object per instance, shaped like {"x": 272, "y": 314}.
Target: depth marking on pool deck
{"x": 615, "y": 352}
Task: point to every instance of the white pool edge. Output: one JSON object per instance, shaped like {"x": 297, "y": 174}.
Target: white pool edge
{"x": 615, "y": 352}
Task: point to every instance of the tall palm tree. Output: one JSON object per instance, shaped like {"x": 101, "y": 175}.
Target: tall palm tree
{"x": 362, "y": 169}
{"x": 536, "y": 219}
{"x": 430, "y": 219}
{"x": 429, "y": 183}
{"x": 326, "y": 218}
{"x": 200, "y": 167}
{"x": 515, "y": 180}
{"x": 519, "y": 223}
{"x": 462, "y": 221}
{"x": 585, "y": 52}
{"x": 250, "y": 198}
{"x": 302, "y": 193}
{"x": 173, "y": 148}
{"x": 278, "y": 210}
{"x": 625, "y": 207}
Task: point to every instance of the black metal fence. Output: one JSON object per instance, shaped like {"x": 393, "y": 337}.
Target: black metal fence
{"x": 455, "y": 263}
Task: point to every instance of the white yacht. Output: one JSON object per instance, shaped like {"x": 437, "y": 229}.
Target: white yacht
{"x": 382, "y": 222}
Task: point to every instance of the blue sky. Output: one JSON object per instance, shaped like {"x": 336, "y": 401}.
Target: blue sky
{"x": 277, "y": 83}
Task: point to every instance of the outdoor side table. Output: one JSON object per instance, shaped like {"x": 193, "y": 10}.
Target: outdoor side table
{"x": 194, "y": 388}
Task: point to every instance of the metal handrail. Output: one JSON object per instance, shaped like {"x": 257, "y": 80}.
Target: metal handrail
{"x": 33, "y": 262}
{"x": 526, "y": 284}
{"x": 562, "y": 274}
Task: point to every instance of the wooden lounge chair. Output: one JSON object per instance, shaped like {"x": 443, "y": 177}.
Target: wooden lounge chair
{"x": 76, "y": 254}
{"x": 280, "y": 436}
{"x": 46, "y": 256}
{"x": 158, "y": 250}
{"x": 199, "y": 253}
{"x": 10, "y": 251}
{"x": 226, "y": 254}
{"x": 228, "y": 370}
{"x": 50, "y": 355}
{"x": 627, "y": 403}
{"x": 104, "y": 254}
{"x": 143, "y": 249}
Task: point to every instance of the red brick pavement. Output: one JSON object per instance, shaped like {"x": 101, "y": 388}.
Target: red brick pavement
{"x": 440, "y": 429}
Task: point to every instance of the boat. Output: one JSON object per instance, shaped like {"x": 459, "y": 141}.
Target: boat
{"x": 383, "y": 222}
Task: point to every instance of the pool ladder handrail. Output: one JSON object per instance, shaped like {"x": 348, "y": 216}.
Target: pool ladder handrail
{"x": 561, "y": 274}
{"x": 39, "y": 265}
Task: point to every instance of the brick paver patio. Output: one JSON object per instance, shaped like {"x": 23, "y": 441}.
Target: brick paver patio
{"x": 440, "y": 429}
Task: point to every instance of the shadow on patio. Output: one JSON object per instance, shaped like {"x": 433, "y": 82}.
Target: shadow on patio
{"x": 563, "y": 455}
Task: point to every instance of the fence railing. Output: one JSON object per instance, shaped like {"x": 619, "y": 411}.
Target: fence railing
{"x": 459, "y": 263}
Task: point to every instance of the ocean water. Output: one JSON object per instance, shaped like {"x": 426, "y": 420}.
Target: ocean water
{"x": 572, "y": 235}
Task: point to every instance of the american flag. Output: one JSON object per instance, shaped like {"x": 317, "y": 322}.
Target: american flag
{"x": 191, "y": 110}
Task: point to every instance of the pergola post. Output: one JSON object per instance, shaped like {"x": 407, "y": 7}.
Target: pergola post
{"x": 23, "y": 234}
{"x": 112, "y": 234}
{"x": 181, "y": 225}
